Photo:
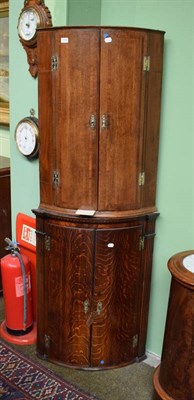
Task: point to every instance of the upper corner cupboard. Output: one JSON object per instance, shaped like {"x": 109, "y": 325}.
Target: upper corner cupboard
{"x": 99, "y": 117}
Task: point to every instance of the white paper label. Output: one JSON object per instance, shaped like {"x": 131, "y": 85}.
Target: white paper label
{"x": 87, "y": 213}
{"x": 108, "y": 40}
{"x": 64, "y": 40}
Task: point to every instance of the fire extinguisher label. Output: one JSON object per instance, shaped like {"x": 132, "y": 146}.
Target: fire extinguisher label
{"x": 29, "y": 234}
{"x": 19, "y": 286}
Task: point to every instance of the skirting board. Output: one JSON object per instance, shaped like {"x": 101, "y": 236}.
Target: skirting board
{"x": 152, "y": 359}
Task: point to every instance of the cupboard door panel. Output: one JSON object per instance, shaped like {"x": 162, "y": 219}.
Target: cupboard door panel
{"x": 45, "y": 118}
{"x": 68, "y": 288}
{"x": 76, "y": 83}
{"x": 41, "y": 287}
{"x": 153, "y": 119}
{"x": 116, "y": 293}
{"x": 122, "y": 97}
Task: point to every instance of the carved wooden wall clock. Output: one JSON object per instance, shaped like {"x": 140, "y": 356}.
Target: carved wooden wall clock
{"x": 34, "y": 14}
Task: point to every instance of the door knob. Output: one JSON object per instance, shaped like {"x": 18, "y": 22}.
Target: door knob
{"x": 104, "y": 122}
{"x": 86, "y": 306}
{"x": 92, "y": 121}
{"x": 99, "y": 308}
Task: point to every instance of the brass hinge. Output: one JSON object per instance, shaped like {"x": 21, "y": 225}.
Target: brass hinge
{"x": 54, "y": 63}
{"x": 47, "y": 341}
{"x": 56, "y": 178}
{"x": 135, "y": 340}
{"x": 47, "y": 242}
{"x": 141, "y": 179}
{"x": 146, "y": 63}
{"x": 141, "y": 243}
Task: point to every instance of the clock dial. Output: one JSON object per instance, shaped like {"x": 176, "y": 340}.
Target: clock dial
{"x": 26, "y": 136}
{"x": 28, "y": 22}
{"x": 34, "y": 15}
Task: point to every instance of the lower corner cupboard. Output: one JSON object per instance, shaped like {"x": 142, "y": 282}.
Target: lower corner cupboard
{"x": 93, "y": 279}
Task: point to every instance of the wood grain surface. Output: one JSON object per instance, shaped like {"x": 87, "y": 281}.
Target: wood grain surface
{"x": 99, "y": 167}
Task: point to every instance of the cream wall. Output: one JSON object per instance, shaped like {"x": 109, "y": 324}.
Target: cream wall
{"x": 4, "y": 142}
{"x": 175, "y": 192}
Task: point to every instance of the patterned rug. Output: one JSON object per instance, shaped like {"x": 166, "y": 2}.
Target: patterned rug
{"x": 21, "y": 379}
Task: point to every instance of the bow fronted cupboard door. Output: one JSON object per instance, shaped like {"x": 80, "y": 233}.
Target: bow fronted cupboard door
{"x": 99, "y": 114}
{"x": 92, "y": 295}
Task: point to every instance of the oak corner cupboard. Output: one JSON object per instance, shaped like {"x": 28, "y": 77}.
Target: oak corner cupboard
{"x": 99, "y": 118}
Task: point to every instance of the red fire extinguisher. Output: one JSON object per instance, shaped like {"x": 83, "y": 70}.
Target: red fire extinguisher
{"x": 16, "y": 282}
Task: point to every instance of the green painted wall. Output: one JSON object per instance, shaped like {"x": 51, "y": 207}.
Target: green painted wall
{"x": 23, "y": 97}
{"x": 59, "y": 10}
{"x": 175, "y": 193}
{"x": 84, "y": 12}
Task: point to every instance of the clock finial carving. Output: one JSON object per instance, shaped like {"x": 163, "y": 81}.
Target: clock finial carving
{"x": 35, "y": 14}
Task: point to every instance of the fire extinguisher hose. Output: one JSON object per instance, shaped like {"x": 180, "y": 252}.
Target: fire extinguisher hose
{"x": 18, "y": 255}
{"x": 12, "y": 246}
